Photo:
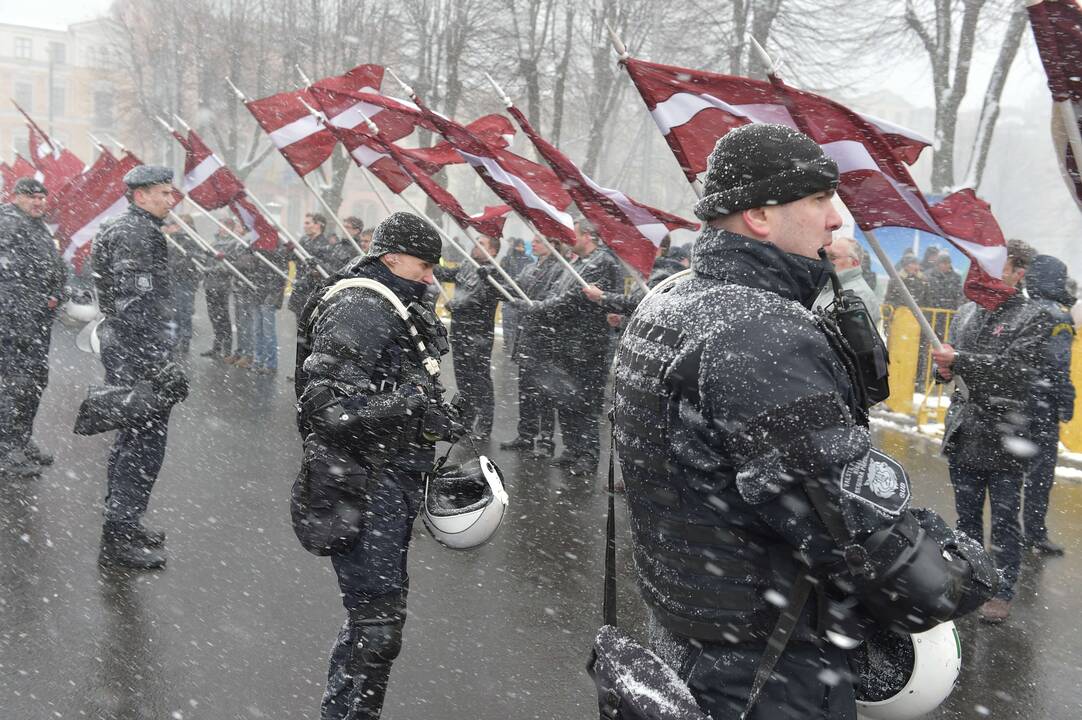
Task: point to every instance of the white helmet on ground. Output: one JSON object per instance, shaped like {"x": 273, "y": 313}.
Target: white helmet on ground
{"x": 465, "y": 504}
{"x": 88, "y": 339}
{"x": 906, "y": 676}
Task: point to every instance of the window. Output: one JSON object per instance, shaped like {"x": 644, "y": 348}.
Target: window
{"x": 57, "y": 104}
{"x": 58, "y": 53}
{"x": 24, "y": 48}
{"x": 103, "y": 108}
{"x": 24, "y": 94}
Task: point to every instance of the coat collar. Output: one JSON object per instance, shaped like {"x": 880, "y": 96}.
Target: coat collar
{"x": 731, "y": 258}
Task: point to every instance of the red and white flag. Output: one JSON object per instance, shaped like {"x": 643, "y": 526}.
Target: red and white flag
{"x": 630, "y": 229}
{"x": 489, "y": 222}
{"x": 57, "y": 164}
{"x": 693, "y": 108}
{"x": 1057, "y": 27}
{"x": 371, "y": 155}
{"x": 81, "y": 207}
{"x": 303, "y": 139}
{"x": 7, "y": 180}
{"x": 21, "y": 167}
{"x": 532, "y": 190}
{"x": 208, "y": 182}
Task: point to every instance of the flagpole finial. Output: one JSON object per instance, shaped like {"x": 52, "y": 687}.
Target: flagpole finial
{"x": 307, "y": 80}
{"x": 96, "y": 141}
{"x": 764, "y": 56}
{"x": 499, "y": 91}
{"x": 164, "y": 123}
{"x": 617, "y": 43}
{"x": 236, "y": 91}
{"x": 406, "y": 88}
{"x": 180, "y": 121}
{"x": 116, "y": 142}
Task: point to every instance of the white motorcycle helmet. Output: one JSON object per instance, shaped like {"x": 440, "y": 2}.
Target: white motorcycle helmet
{"x": 465, "y": 504}
{"x": 907, "y": 676}
{"x": 79, "y": 312}
{"x": 88, "y": 339}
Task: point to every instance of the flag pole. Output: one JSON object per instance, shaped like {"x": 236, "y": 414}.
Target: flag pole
{"x": 319, "y": 198}
{"x": 294, "y": 245}
{"x": 214, "y": 253}
{"x": 185, "y": 253}
{"x": 623, "y": 55}
{"x": 1067, "y": 114}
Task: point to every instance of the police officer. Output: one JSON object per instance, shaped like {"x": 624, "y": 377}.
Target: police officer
{"x": 1052, "y": 399}
{"x": 130, "y": 263}
{"x": 370, "y": 413}
{"x": 532, "y": 346}
{"x": 582, "y": 346}
{"x": 473, "y": 317}
{"x": 32, "y": 278}
{"x": 751, "y": 482}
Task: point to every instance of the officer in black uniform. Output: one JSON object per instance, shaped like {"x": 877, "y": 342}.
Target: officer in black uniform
{"x": 32, "y": 279}
{"x": 582, "y": 345}
{"x": 532, "y": 346}
{"x": 370, "y": 413}
{"x": 131, "y": 272}
{"x": 751, "y": 481}
{"x": 473, "y": 317}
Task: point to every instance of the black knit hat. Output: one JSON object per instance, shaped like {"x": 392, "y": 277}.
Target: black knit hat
{"x": 29, "y": 186}
{"x": 409, "y": 234}
{"x": 760, "y": 164}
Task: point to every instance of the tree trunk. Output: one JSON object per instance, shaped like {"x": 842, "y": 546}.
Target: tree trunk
{"x": 561, "y": 78}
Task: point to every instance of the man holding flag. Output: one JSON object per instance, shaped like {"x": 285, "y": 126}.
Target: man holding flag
{"x": 32, "y": 278}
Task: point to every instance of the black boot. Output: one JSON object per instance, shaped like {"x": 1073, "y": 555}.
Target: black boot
{"x": 148, "y": 536}
{"x": 36, "y": 454}
{"x": 1046, "y": 547}
{"x": 16, "y": 464}
{"x": 121, "y": 548}
{"x": 546, "y": 448}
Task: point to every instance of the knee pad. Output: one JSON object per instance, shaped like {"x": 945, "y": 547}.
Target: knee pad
{"x": 378, "y": 642}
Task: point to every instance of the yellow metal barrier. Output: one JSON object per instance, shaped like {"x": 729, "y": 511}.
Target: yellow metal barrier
{"x": 903, "y": 344}
{"x": 1070, "y": 434}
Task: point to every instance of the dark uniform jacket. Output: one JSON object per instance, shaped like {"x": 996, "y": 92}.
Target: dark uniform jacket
{"x": 534, "y": 340}
{"x": 1000, "y": 353}
{"x": 181, "y": 268}
{"x": 330, "y": 257}
{"x": 579, "y": 325}
{"x": 1052, "y": 400}
{"x": 732, "y": 405}
{"x": 131, "y": 271}
{"x": 271, "y": 286}
{"x": 358, "y": 350}
{"x": 625, "y": 304}
{"x": 473, "y": 307}
{"x": 31, "y": 272}
{"x": 944, "y": 289}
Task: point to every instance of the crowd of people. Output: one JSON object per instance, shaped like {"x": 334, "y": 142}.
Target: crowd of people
{"x": 741, "y": 410}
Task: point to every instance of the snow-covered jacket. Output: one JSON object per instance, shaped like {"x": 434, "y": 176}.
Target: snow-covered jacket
{"x": 31, "y": 272}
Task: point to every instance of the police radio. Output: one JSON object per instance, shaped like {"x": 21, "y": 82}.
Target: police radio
{"x": 855, "y": 325}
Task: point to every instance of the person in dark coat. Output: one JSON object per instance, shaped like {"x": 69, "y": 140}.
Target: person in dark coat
{"x": 753, "y": 489}
{"x": 532, "y": 348}
{"x": 617, "y": 303}
{"x": 370, "y": 415}
{"x": 582, "y": 336}
{"x": 473, "y": 317}
{"x": 245, "y": 305}
{"x": 267, "y": 301}
{"x": 944, "y": 285}
{"x": 998, "y": 352}
{"x": 32, "y": 286}
{"x": 185, "y": 282}
{"x": 515, "y": 261}
{"x": 218, "y": 288}
{"x": 1052, "y": 399}
{"x": 914, "y": 280}
{"x": 330, "y": 256}
{"x": 131, "y": 272}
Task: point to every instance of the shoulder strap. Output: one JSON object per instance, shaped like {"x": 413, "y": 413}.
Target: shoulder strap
{"x": 431, "y": 364}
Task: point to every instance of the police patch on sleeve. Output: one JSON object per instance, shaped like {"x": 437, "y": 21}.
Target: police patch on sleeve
{"x": 877, "y": 480}
{"x": 144, "y": 282}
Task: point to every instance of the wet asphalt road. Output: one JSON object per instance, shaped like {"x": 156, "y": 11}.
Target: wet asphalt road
{"x": 239, "y": 624}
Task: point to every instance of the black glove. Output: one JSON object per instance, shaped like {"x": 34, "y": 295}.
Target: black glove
{"x": 484, "y": 272}
{"x": 171, "y": 384}
{"x": 442, "y": 421}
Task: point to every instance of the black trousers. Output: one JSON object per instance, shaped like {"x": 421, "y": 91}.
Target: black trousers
{"x": 218, "y": 310}
{"x": 1040, "y": 478}
{"x": 137, "y": 453}
{"x": 1001, "y": 482}
{"x": 472, "y": 352}
{"x": 579, "y": 402}
{"x": 536, "y": 405}
{"x": 24, "y": 373}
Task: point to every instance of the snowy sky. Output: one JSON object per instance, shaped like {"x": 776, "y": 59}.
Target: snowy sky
{"x": 52, "y": 14}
